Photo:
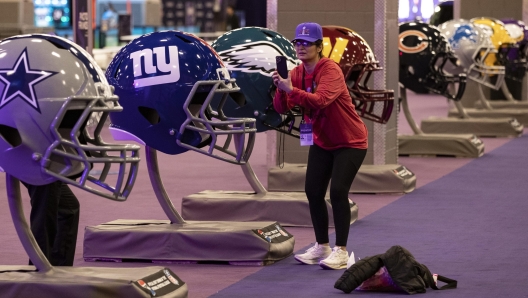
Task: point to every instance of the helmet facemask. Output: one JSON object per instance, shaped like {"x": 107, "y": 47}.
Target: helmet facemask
{"x": 482, "y": 73}
{"x": 211, "y": 123}
{"x": 288, "y": 124}
{"x": 446, "y": 77}
{"x": 513, "y": 57}
{"x": 374, "y": 105}
{"x": 77, "y": 153}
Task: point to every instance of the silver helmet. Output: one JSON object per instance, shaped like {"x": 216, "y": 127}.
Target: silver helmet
{"x": 472, "y": 45}
{"x": 49, "y": 89}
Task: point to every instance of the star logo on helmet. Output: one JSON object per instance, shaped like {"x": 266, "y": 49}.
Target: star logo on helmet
{"x": 19, "y": 82}
{"x": 255, "y": 57}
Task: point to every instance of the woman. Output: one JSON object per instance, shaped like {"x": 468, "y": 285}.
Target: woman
{"x": 339, "y": 139}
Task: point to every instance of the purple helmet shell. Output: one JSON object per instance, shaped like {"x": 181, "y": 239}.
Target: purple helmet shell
{"x": 519, "y": 32}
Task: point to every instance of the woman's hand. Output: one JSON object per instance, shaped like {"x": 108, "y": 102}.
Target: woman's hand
{"x": 282, "y": 84}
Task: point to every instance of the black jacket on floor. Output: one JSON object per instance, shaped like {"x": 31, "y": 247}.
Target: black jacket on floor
{"x": 410, "y": 276}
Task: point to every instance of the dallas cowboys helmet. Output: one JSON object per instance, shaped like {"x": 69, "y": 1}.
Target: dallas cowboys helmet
{"x": 249, "y": 53}
{"x": 49, "y": 89}
{"x": 472, "y": 47}
{"x": 427, "y": 63}
{"x": 166, "y": 82}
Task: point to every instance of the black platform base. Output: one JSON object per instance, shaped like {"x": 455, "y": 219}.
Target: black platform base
{"x": 391, "y": 178}
{"x": 258, "y": 243}
{"x": 481, "y": 127}
{"x": 89, "y": 282}
{"x": 439, "y": 145}
{"x": 504, "y": 104}
{"x": 517, "y": 113}
{"x": 288, "y": 208}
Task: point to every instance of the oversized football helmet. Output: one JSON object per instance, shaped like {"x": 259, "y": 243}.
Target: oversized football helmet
{"x": 249, "y": 53}
{"x": 49, "y": 89}
{"x": 505, "y": 45}
{"x": 427, "y": 61}
{"x": 519, "y": 32}
{"x": 357, "y": 61}
{"x": 472, "y": 46}
{"x": 166, "y": 82}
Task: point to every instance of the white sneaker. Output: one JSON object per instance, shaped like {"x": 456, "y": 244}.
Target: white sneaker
{"x": 314, "y": 254}
{"x": 336, "y": 260}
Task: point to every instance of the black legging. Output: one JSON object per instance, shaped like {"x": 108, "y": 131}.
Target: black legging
{"x": 341, "y": 165}
{"x": 54, "y": 221}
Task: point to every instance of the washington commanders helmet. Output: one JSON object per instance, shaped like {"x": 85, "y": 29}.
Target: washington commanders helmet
{"x": 49, "y": 89}
{"x": 357, "y": 61}
{"x": 519, "y": 32}
{"x": 427, "y": 62}
{"x": 249, "y": 53}
{"x": 473, "y": 46}
{"x": 166, "y": 82}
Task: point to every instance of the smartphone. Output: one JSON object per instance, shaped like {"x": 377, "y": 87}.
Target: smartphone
{"x": 282, "y": 66}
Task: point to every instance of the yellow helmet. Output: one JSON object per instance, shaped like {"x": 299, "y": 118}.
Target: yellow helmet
{"x": 499, "y": 35}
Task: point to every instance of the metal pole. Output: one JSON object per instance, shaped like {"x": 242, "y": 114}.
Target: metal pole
{"x": 159, "y": 189}
{"x": 407, "y": 112}
{"x": 22, "y": 228}
{"x": 507, "y": 93}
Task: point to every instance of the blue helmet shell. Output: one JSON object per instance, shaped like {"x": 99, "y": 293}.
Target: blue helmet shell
{"x": 153, "y": 76}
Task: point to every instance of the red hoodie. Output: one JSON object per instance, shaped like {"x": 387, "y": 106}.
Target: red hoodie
{"x": 335, "y": 121}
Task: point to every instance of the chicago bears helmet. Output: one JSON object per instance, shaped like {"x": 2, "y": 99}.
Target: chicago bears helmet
{"x": 427, "y": 61}
{"x": 249, "y": 53}
{"x": 519, "y": 32}
{"x": 49, "y": 89}
{"x": 473, "y": 46}
{"x": 357, "y": 61}
{"x": 166, "y": 82}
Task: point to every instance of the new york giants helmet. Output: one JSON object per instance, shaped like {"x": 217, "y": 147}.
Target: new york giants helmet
{"x": 49, "y": 89}
{"x": 427, "y": 62}
{"x": 166, "y": 82}
{"x": 249, "y": 53}
{"x": 519, "y": 32}
{"x": 472, "y": 47}
{"x": 357, "y": 61}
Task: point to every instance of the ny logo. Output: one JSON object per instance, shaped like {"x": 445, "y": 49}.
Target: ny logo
{"x": 334, "y": 51}
{"x": 172, "y": 66}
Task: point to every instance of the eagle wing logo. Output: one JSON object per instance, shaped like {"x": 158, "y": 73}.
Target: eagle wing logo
{"x": 255, "y": 57}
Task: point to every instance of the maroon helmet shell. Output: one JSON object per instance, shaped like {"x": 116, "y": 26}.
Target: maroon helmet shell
{"x": 357, "y": 61}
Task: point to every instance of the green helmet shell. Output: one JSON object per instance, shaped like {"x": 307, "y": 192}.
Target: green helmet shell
{"x": 249, "y": 53}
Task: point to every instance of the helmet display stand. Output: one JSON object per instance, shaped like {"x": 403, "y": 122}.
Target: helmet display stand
{"x": 48, "y": 280}
{"x": 482, "y": 127}
{"x": 370, "y": 179}
{"x": 255, "y": 100}
{"x": 288, "y": 208}
{"x": 488, "y": 111}
{"x": 371, "y": 104}
{"x": 508, "y": 103}
{"x": 176, "y": 240}
{"x": 426, "y": 144}
{"x": 470, "y": 42}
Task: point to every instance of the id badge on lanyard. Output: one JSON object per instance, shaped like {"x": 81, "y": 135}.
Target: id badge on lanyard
{"x": 306, "y": 135}
{"x": 306, "y": 129}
